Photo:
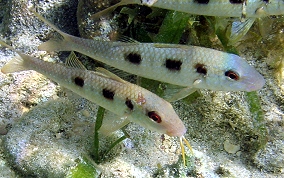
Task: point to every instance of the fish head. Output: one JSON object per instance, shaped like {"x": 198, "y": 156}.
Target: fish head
{"x": 231, "y": 74}
{"x": 158, "y": 115}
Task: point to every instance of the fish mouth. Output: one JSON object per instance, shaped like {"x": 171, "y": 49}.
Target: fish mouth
{"x": 255, "y": 83}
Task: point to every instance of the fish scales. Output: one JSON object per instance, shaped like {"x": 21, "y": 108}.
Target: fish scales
{"x": 109, "y": 91}
{"x": 225, "y": 8}
{"x": 188, "y": 66}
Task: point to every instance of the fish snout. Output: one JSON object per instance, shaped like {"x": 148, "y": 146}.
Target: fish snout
{"x": 176, "y": 131}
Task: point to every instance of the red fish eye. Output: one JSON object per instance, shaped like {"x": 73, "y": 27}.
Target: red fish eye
{"x": 154, "y": 116}
{"x": 232, "y": 75}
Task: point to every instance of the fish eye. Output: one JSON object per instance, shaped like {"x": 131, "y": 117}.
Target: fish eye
{"x": 232, "y": 75}
{"x": 154, "y": 116}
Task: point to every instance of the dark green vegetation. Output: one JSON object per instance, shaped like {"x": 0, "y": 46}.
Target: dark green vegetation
{"x": 98, "y": 124}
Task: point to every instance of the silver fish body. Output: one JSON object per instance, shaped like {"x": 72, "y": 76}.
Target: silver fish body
{"x": 225, "y": 8}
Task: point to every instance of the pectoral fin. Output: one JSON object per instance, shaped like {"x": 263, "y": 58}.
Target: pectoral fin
{"x": 112, "y": 122}
{"x": 240, "y": 29}
{"x": 174, "y": 93}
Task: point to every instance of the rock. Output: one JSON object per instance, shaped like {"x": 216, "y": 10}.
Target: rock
{"x": 231, "y": 148}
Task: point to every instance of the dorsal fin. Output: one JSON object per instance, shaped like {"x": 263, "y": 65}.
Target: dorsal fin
{"x": 174, "y": 93}
{"x": 239, "y": 29}
{"x": 127, "y": 39}
{"x": 122, "y": 74}
{"x": 109, "y": 74}
{"x": 73, "y": 61}
{"x": 167, "y": 45}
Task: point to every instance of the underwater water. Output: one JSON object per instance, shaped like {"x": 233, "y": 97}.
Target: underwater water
{"x": 47, "y": 131}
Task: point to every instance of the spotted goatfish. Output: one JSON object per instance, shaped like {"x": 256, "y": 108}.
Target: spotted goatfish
{"x": 107, "y": 90}
{"x": 224, "y": 8}
{"x": 189, "y": 66}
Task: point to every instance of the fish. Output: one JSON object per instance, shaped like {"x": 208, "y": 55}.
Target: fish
{"x": 191, "y": 67}
{"x": 222, "y": 8}
{"x": 107, "y": 90}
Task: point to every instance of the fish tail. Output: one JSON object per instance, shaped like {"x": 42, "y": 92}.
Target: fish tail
{"x": 60, "y": 44}
{"x": 17, "y": 64}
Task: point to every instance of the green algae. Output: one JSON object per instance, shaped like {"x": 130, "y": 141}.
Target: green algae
{"x": 98, "y": 124}
{"x": 258, "y": 120}
{"x": 116, "y": 142}
{"x": 84, "y": 168}
{"x": 97, "y": 155}
{"x": 172, "y": 27}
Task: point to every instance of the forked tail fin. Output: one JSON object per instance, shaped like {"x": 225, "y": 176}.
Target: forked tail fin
{"x": 17, "y": 64}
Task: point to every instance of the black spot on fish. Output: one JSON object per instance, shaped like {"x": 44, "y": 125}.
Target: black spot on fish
{"x": 79, "y": 81}
{"x": 202, "y": 1}
{"x": 266, "y": 1}
{"x": 173, "y": 64}
{"x": 201, "y": 68}
{"x": 236, "y": 1}
{"x": 134, "y": 58}
{"x": 232, "y": 75}
{"x": 129, "y": 104}
{"x": 154, "y": 116}
{"x": 108, "y": 94}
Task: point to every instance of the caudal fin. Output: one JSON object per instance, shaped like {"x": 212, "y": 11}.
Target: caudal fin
{"x": 60, "y": 44}
{"x": 15, "y": 65}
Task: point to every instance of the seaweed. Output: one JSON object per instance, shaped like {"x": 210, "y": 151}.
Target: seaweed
{"x": 258, "y": 120}
{"x": 97, "y": 155}
{"x": 84, "y": 168}
{"x": 117, "y": 141}
{"x": 98, "y": 124}
{"x": 172, "y": 27}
